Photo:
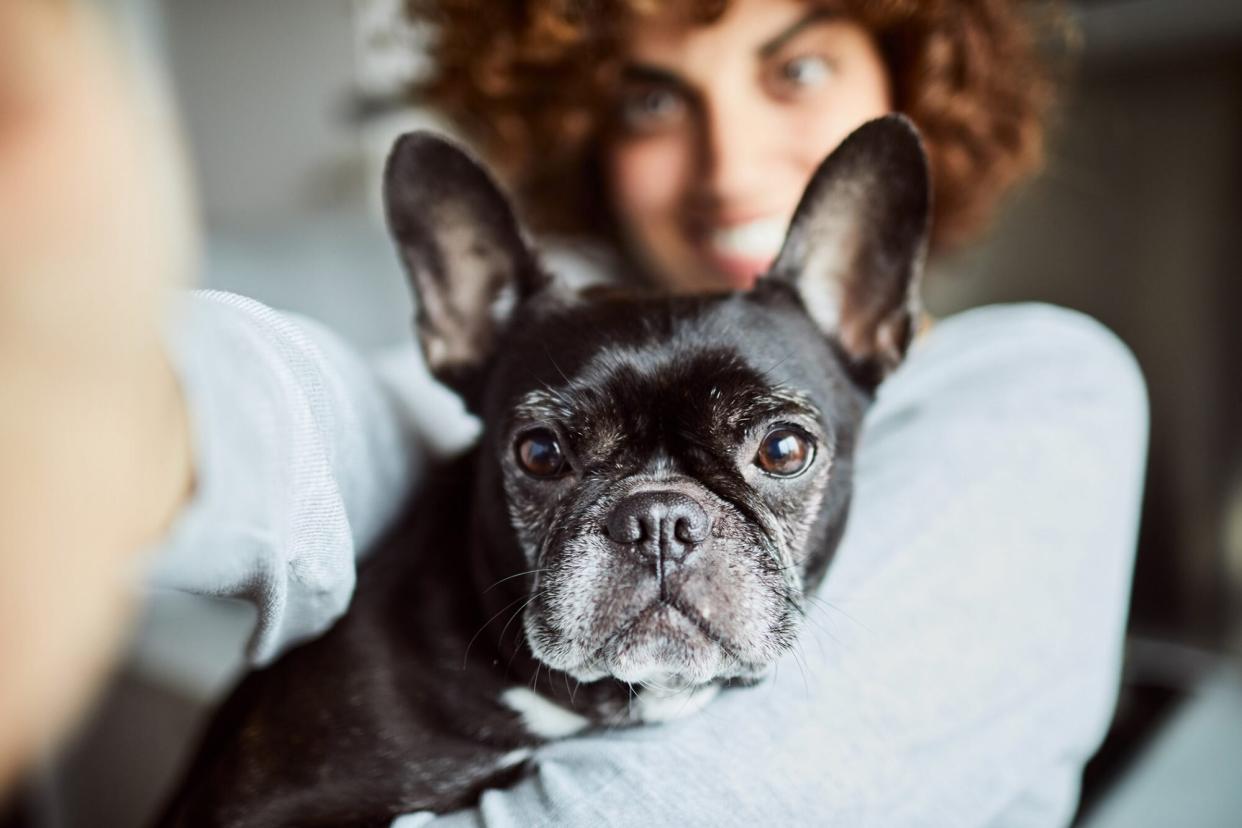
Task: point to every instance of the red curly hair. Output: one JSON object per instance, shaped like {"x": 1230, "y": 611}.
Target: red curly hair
{"x": 528, "y": 81}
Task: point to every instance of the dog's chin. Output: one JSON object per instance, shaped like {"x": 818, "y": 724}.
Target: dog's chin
{"x": 664, "y": 647}
{"x": 661, "y": 647}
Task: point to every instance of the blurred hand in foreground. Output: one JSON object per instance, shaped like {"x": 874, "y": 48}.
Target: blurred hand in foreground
{"x": 94, "y": 229}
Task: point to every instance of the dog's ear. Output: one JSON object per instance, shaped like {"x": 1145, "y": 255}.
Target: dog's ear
{"x": 462, "y": 249}
{"x": 857, "y": 241}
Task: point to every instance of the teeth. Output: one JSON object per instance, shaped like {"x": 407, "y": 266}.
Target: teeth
{"x": 759, "y": 239}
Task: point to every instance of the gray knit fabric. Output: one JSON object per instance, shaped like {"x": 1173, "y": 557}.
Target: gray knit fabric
{"x": 958, "y": 668}
{"x": 302, "y": 456}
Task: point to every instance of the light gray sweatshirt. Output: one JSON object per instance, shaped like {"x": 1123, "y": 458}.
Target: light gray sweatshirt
{"x": 959, "y": 666}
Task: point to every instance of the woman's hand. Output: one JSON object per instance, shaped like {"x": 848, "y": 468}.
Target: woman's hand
{"x": 93, "y": 433}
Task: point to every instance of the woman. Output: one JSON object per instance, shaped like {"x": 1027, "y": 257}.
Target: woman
{"x": 963, "y": 662}
{"x": 684, "y": 133}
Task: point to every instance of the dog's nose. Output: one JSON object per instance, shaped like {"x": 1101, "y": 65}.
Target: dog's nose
{"x": 663, "y": 524}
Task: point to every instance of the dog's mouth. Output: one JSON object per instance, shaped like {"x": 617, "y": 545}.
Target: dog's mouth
{"x": 665, "y": 640}
{"x": 667, "y": 643}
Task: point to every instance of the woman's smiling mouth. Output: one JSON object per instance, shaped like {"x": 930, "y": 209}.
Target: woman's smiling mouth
{"x": 743, "y": 251}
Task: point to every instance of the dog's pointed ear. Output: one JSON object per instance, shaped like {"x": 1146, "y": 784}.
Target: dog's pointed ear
{"x": 857, "y": 242}
{"x": 462, "y": 248}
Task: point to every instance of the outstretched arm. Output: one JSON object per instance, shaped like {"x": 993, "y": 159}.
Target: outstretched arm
{"x": 302, "y": 457}
{"x": 93, "y": 431}
{"x": 962, "y": 663}
{"x": 256, "y": 448}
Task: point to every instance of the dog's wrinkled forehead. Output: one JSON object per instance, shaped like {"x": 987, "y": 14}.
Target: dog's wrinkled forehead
{"x": 653, "y": 401}
{"x": 668, "y": 373}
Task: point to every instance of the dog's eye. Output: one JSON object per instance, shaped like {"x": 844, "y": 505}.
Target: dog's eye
{"x": 785, "y": 452}
{"x": 539, "y": 454}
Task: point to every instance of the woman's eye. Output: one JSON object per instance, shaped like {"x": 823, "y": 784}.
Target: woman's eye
{"x": 802, "y": 73}
{"x": 539, "y": 453}
{"x": 785, "y": 452}
{"x": 651, "y": 108}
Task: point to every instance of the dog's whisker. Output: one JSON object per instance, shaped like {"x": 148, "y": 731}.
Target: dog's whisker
{"x": 515, "y": 575}
{"x": 824, "y": 603}
{"x": 512, "y": 656}
{"x": 817, "y": 623}
{"x": 518, "y": 612}
{"x": 806, "y": 684}
{"x": 534, "y": 682}
{"x": 829, "y": 605}
{"x": 821, "y": 625}
{"x": 647, "y": 684}
{"x": 767, "y": 372}
{"x": 466, "y": 657}
{"x": 557, "y": 367}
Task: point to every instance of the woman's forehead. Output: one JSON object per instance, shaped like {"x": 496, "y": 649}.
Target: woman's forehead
{"x": 675, "y": 36}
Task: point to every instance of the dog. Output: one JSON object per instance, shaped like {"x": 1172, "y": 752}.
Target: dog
{"x": 660, "y": 485}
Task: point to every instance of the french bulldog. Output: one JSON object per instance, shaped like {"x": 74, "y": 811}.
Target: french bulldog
{"x": 660, "y": 485}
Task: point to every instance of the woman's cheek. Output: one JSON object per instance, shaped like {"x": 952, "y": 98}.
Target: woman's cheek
{"x": 648, "y": 176}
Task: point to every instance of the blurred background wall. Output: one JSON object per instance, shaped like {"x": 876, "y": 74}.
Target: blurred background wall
{"x": 1137, "y": 221}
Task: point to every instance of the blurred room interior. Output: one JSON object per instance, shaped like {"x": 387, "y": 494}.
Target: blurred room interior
{"x": 287, "y": 105}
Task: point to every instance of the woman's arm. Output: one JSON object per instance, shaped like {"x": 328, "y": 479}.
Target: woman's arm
{"x": 963, "y": 661}
{"x": 94, "y": 453}
{"x": 302, "y": 457}
{"x": 255, "y": 448}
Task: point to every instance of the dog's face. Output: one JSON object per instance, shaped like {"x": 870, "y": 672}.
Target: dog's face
{"x": 671, "y": 473}
{"x": 673, "y": 478}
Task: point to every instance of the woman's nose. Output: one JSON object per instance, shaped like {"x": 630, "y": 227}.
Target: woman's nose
{"x": 737, "y": 149}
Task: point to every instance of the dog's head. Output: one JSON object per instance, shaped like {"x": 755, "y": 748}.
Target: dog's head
{"x": 673, "y": 473}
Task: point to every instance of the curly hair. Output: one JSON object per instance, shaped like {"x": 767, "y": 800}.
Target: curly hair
{"x": 527, "y": 81}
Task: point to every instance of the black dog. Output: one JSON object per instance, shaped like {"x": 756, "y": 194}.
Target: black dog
{"x": 660, "y": 483}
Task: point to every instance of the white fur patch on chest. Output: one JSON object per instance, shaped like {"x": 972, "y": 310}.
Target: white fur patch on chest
{"x": 514, "y": 757}
{"x": 541, "y": 717}
{"x": 652, "y": 705}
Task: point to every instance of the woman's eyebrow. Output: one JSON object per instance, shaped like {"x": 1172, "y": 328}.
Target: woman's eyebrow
{"x": 811, "y": 18}
{"x": 645, "y": 73}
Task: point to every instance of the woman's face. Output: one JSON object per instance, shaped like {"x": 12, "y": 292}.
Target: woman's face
{"x": 719, "y": 128}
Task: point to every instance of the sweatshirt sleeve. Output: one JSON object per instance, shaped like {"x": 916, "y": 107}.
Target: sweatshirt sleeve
{"x": 963, "y": 660}
{"x": 302, "y": 457}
